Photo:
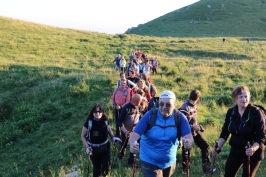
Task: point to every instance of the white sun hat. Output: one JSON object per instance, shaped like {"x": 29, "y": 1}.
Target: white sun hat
{"x": 168, "y": 94}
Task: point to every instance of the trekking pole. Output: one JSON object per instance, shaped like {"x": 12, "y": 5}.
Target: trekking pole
{"x": 187, "y": 163}
{"x": 114, "y": 155}
{"x": 124, "y": 145}
{"x": 134, "y": 163}
{"x": 248, "y": 146}
{"x": 214, "y": 158}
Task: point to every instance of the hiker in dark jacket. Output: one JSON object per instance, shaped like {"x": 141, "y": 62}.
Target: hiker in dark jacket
{"x": 117, "y": 62}
{"x": 128, "y": 119}
{"x": 189, "y": 109}
{"x": 245, "y": 124}
{"x": 95, "y": 139}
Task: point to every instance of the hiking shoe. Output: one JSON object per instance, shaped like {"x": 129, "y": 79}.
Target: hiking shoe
{"x": 184, "y": 172}
{"x": 211, "y": 171}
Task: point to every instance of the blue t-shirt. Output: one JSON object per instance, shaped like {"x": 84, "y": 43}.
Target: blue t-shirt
{"x": 159, "y": 145}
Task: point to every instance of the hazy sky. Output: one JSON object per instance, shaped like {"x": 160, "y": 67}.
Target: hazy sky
{"x": 107, "y": 16}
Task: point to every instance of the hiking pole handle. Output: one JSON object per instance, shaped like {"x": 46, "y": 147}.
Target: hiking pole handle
{"x": 216, "y": 148}
{"x": 201, "y": 128}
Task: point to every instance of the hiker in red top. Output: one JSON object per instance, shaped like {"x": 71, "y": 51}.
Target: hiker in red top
{"x": 120, "y": 97}
{"x": 138, "y": 53}
{"x": 141, "y": 85}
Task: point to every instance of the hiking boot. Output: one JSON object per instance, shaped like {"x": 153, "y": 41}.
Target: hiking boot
{"x": 207, "y": 169}
{"x": 211, "y": 171}
{"x": 184, "y": 172}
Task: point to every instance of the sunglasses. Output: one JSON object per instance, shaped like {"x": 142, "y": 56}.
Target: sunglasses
{"x": 168, "y": 105}
{"x": 97, "y": 112}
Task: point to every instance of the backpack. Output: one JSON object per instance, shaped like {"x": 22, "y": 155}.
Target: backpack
{"x": 262, "y": 109}
{"x": 90, "y": 125}
{"x": 153, "y": 118}
{"x": 125, "y": 92}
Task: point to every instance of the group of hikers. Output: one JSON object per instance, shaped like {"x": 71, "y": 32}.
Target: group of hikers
{"x": 154, "y": 129}
{"x": 138, "y": 62}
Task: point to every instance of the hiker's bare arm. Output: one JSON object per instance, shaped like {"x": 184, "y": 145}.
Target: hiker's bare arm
{"x": 188, "y": 141}
{"x": 83, "y": 136}
{"x": 124, "y": 130}
{"x": 134, "y": 148}
{"x": 110, "y": 131}
{"x": 131, "y": 83}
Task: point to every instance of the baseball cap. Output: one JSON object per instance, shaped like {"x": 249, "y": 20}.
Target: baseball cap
{"x": 168, "y": 94}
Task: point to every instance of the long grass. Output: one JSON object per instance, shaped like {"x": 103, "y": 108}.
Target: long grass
{"x": 51, "y": 77}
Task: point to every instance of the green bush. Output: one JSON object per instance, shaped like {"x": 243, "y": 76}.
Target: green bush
{"x": 164, "y": 68}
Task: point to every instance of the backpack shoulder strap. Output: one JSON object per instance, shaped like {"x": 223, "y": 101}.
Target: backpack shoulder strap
{"x": 106, "y": 122}
{"x": 261, "y": 108}
{"x": 89, "y": 129}
{"x": 178, "y": 123}
{"x": 153, "y": 117}
{"x": 116, "y": 89}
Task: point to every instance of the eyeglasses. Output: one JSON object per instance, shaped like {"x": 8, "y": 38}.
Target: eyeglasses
{"x": 97, "y": 112}
{"x": 168, "y": 105}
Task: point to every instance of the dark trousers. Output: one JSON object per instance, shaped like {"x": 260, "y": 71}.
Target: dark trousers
{"x": 235, "y": 161}
{"x": 123, "y": 150}
{"x": 117, "y": 128}
{"x": 150, "y": 170}
{"x": 123, "y": 69}
{"x": 101, "y": 163}
{"x": 154, "y": 70}
{"x": 204, "y": 147}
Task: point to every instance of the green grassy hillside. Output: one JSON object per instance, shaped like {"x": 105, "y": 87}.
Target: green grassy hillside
{"x": 225, "y": 18}
{"x": 50, "y": 78}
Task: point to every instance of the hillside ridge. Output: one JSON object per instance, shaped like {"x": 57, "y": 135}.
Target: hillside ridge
{"x": 207, "y": 18}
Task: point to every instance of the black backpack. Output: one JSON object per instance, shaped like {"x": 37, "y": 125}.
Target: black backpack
{"x": 153, "y": 117}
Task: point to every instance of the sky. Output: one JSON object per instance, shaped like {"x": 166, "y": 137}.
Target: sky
{"x": 104, "y": 16}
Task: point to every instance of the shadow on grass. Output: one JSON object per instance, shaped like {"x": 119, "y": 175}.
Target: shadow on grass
{"x": 197, "y": 54}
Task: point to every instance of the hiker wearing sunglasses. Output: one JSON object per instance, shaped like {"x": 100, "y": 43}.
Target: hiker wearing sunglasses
{"x": 189, "y": 109}
{"x": 159, "y": 143}
{"x": 245, "y": 123}
{"x": 94, "y": 137}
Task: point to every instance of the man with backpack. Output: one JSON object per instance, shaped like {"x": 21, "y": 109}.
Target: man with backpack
{"x": 159, "y": 138}
{"x": 128, "y": 119}
{"x": 120, "y": 97}
{"x": 189, "y": 109}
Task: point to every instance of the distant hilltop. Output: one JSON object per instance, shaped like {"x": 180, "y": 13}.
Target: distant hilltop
{"x": 208, "y": 18}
